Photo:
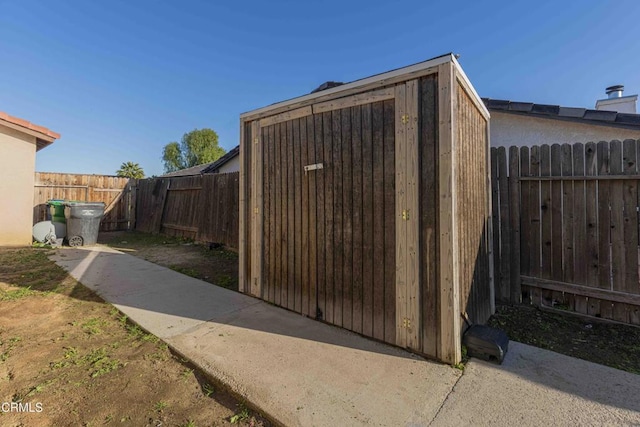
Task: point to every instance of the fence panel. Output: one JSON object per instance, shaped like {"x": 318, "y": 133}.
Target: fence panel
{"x": 578, "y": 211}
{"x": 117, "y": 193}
{"x": 203, "y": 207}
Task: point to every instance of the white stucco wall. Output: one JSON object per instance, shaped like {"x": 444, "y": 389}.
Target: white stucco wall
{"x": 512, "y": 129}
{"x": 17, "y": 167}
{"x": 232, "y": 165}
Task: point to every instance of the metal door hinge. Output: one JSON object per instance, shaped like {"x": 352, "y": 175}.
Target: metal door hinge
{"x": 255, "y": 140}
{"x": 406, "y": 323}
{"x": 405, "y": 214}
{"x": 255, "y": 210}
{"x": 405, "y": 119}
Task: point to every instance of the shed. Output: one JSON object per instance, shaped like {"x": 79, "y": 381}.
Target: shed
{"x": 367, "y": 206}
{"x": 19, "y": 141}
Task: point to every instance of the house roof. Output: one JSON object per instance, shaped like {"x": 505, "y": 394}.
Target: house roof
{"x": 43, "y": 135}
{"x": 213, "y": 167}
{"x": 194, "y": 170}
{"x": 206, "y": 167}
{"x": 584, "y": 115}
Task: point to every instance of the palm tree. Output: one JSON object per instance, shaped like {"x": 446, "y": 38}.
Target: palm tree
{"x": 130, "y": 170}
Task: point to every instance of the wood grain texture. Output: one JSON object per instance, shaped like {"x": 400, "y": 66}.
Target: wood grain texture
{"x": 389, "y": 244}
{"x": 377, "y": 113}
{"x": 347, "y": 219}
{"x": 400, "y": 214}
{"x": 447, "y": 233}
{"x": 428, "y": 221}
{"x": 355, "y": 100}
{"x": 368, "y": 230}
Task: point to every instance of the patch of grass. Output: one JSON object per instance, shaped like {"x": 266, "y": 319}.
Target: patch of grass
{"x": 226, "y": 281}
{"x": 38, "y": 388}
{"x": 208, "y": 389}
{"x": 188, "y": 271}
{"x": 8, "y": 346}
{"x": 93, "y": 326}
{"x": 221, "y": 253}
{"x": 30, "y": 269}
{"x": 15, "y": 294}
{"x": 186, "y": 373}
{"x": 101, "y": 362}
{"x": 189, "y": 423}
{"x": 242, "y": 414}
{"x": 159, "y": 406}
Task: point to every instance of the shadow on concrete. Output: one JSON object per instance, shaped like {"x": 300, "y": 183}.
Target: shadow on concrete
{"x": 169, "y": 304}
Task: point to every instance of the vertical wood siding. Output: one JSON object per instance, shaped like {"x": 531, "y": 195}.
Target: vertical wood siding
{"x": 472, "y": 211}
{"x": 329, "y": 234}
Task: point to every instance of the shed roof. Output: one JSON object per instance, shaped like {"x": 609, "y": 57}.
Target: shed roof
{"x": 583, "y": 115}
{"x": 368, "y": 83}
{"x": 43, "y": 135}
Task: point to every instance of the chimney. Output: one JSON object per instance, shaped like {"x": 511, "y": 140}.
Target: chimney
{"x": 616, "y": 102}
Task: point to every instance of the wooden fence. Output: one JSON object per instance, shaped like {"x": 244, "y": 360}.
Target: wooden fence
{"x": 566, "y": 227}
{"x": 118, "y": 194}
{"x": 203, "y": 207}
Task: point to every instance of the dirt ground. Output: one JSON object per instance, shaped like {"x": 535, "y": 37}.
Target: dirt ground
{"x": 214, "y": 265}
{"x": 69, "y": 359}
{"x": 610, "y": 344}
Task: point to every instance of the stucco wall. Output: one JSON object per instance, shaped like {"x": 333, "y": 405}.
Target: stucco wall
{"x": 17, "y": 167}
{"x": 512, "y": 129}
{"x": 232, "y": 165}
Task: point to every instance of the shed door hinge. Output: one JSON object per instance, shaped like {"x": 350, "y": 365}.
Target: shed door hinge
{"x": 255, "y": 210}
{"x": 405, "y": 214}
{"x": 406, "y": 323}
{"x": 405, "y": 119}
{"x": 255, "y": 140}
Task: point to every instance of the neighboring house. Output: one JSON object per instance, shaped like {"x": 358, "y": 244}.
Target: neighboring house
{"x": 19, "y": 141}
{"x": 230, "y": 162}
{"x": 527, "y": 124}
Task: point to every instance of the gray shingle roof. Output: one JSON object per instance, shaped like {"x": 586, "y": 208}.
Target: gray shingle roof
{"x": 213, "y": 167}
{"x": 565, "y": 113}
{"x": 206, "y": 167}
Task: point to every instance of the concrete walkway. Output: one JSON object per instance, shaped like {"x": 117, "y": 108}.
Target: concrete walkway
{"x": 304, "y": 373}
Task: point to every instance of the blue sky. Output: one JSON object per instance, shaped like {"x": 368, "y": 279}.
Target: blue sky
{"x": 120, "y": 79}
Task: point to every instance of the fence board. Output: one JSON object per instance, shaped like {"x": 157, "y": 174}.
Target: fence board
{"x": 581, "y": 227}
{"x": 514, "y": 212}
{"x": 505, "y": 227}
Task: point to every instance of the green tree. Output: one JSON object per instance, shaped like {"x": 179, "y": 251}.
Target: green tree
{"x": 130, "y": 170}
{"x": 196, "y": 147}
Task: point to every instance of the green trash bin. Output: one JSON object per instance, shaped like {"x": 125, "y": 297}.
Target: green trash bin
{"x": 56, "y": 210}
{"x": 83, "y": 222}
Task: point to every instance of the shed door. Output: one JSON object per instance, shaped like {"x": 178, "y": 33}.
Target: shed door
{"x": 329, "y": 234}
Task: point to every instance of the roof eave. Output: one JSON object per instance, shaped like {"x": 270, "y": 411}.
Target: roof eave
{"x": 572, "y": 119}
{"x": 364, "y": 83}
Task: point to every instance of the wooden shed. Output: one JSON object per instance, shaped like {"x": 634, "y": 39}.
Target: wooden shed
{"x": 367, "y": 206}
